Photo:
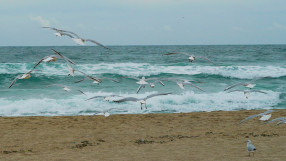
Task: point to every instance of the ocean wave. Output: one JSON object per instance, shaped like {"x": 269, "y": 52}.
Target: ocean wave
{"x": 145, "y": 69}
{"x": 185, "y": 102}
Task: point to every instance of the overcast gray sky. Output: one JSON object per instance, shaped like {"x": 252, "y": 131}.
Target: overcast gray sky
{"x": 144, "y": 22}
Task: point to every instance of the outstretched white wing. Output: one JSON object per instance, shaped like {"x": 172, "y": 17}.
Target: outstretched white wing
{"x": 97, "y": 43}
{"x": 133, "y": 99}
{"x": 154, "y": 95}
{"x": 139, "y": 88}
{"x": 177, "y": 53}
{"x": 202, "y": 57}
{"x": 238, "y": 84}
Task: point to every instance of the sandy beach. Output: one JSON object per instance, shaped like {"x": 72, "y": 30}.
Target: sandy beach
{"x": 181, "y": 136}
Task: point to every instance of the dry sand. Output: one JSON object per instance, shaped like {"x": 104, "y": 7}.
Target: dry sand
{"x": 183, "y": 136}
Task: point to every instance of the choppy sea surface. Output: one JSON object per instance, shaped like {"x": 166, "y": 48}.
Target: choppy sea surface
{"x": 233, "y": 64}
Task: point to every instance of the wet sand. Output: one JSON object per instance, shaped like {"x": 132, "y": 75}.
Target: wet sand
{"x": 181, "y": 136}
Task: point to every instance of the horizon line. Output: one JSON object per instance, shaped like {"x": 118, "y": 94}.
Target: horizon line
{"x": 135, "y": 45}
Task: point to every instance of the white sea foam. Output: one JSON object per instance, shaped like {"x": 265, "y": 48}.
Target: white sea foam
{"x": 145, "y": 69}
{"x": 186, "y": 102}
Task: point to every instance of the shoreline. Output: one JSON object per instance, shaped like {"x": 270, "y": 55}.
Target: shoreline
{"x": 178, "y": 136}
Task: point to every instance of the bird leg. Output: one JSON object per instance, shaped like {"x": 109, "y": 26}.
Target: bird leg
{"x": 145, "y": 106}
{"x": 249, "y": 154}
{"x": 141, "y": 106}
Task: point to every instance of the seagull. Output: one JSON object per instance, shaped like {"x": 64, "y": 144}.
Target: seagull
{"x": 71, "y": 70}
{"x": 68, "y": 61}
{"x": 258, "y": 115}
{"x": 53, "y": 58}
{"x": 265, "y": 117}
{"x": 182, "y": 82}
{"x": 106, "y": 112}
{"x": 143, "y": 82}
{"x": 77, "y": 39}
{"x": 247, "y": 92}
{"x": 250, "y": 148}
{"x": 50, "y": 58}
{"x": 140, "y": 100}
{"x": 249, "y": 84}
{"x": 277, "y": 119}
{"x": 22, "y": 76}
{"x": 81, "y": 41}
{"x": 95, "y": 80}
{"x": 99, "y": 80}
{"x": 152, "y": 85}
{"x": 66, "y": 88}
{"x": 60, "y": 32}
{"x": 281, "y": 122}
{"x": 191, "y": 57}
{"x": 106, "y": 98}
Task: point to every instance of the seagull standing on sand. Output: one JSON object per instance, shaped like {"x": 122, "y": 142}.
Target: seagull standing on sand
{"x": 250, "y": 148}
{"x": 22, "y": 76}
{"x": 264, "y": 114}
{"x": 247, "y": 92}
{"x": 191, "y": 57}
{"x": 140, "y": 100}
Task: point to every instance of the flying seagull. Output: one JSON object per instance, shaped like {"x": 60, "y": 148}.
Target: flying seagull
{"x": 81, "y": 41}
{"x": 106, "y": 97}
{"x": 247, "y": 92}
{"x": 257, "y": 115}
{"x": 250, "y": 148}
{"x": 77, "y": 39}
{"x": 182, "y": 82}
{"x": 53, "y": 58}
{"x": 152, "y": 85}
{"x": 66, "y": 88}
{"x": 106, "y": 112}
{"x": 143, "y": 82}
{"x": 281, "y": 122}
{"x": 22, "y": 76}
{"x": 140, "y": 100}
{"x": 60, "y": 32}
{"x": 250, "y": 84}
{"x": 191, "y": 57}
{"x": 99, "y": 80}
{"x": 265, "y": 117}
{"x": 95, "y": 80}
{"x": 277, "y": 119}
{"x": 68, "y": 61}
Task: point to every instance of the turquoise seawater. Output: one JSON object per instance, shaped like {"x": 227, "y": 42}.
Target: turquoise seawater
{"x": 233, "y": 64}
